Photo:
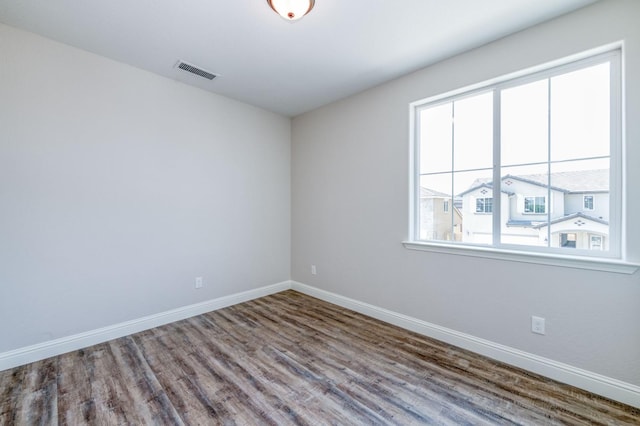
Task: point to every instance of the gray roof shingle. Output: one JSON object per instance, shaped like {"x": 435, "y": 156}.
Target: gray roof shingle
{"x": 575, "y": 181}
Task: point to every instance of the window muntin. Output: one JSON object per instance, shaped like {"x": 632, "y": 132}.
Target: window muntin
{"x": 538, "y": 130}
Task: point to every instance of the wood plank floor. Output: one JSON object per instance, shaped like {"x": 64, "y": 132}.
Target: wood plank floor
{"x": 288, "y": 359}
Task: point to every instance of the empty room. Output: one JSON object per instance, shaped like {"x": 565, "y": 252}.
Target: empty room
{"x": 319, "y": 212}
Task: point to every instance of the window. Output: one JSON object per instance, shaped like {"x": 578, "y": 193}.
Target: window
{"x": 588, "y": 202}
{"x": 595, "y": 242}
{"x": 517, "y": 156}
{"x": 446, "y": 206}
{"x": 484, "y": 205}
{"x": 568, "y": 240}
{"x": 535, "y": 205}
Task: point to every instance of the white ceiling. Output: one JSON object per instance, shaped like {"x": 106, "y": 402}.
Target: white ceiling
{"x": 340, "y": 48}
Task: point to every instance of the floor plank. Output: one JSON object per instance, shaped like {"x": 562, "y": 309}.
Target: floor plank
{"x": 288, "y": 359}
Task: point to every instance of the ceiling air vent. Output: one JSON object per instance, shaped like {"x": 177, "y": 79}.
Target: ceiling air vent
{"x": 195, "y": 70}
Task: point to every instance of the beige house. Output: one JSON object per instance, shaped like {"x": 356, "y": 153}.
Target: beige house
{"x": 437, "y": 212}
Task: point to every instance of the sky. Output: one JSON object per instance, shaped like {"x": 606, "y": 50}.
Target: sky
{"x": 562, "y": 121}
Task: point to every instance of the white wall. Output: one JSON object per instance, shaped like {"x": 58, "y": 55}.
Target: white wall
{"x": 118, "y": 187}
{"x": 350, "y": 212}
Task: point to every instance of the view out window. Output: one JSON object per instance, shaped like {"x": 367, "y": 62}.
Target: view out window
{"x": 532, "y": 154}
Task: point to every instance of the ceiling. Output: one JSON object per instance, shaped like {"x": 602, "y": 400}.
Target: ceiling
{"x": 342, "y": 47}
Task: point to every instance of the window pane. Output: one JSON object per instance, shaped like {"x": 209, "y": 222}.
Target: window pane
{"x": 474, "y": 191}
{"x": 524, "y": 201}
{"x": 435, "y": 222}
{"x": 580, "y": 114}
{"x": 436, "y": 138}
{"x": 524, "y": 124}
{"x": 528, "y": 205}
{"x": 585, "y": 208}
{"x": 473, "y": 132}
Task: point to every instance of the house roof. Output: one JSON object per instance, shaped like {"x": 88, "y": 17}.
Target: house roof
{"x": 428, "y": 193}
{"x": 537, "y": 224}
{"x": 523, "y": 223}
{"x": 572, "y": 217}
{"x": 579, "y": 181}
{"x": 575, "y": 181}
{"x": 483, "y": 183}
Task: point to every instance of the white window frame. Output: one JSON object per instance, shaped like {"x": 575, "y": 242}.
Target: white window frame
{"x": 484, "y": 205}
{"x": 535, "y": 197}
{"x": 614, "y": 260}
{"x": 596, "y": 236}
{"x": 584, "y": 202}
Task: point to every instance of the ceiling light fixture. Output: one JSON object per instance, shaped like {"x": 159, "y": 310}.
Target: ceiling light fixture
{"x": 291, "y": 10}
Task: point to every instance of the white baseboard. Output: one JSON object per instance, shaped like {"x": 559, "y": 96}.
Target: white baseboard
{"x": 62, "y": 345}
{"x": 592, "y": 382}
{"x": 601, "y": 385}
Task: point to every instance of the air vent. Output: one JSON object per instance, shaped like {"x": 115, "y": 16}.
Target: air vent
{"x": 195, "y": 70}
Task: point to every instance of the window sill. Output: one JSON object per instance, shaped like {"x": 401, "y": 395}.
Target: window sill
{"x": 595, "y": 264}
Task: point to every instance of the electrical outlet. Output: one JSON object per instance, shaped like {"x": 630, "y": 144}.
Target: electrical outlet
{"x": 199, "y": 282}
{"x": 537, "y": 325}
{"x": 313, "y": 270}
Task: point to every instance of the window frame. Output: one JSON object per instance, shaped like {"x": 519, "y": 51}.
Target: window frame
{"x": 614, "y": 260}
{"x": 594, "y": 236}
{"x": 488, "y": 201}
{"x": 535, "y": 204}
{"x": 584, "y": 202}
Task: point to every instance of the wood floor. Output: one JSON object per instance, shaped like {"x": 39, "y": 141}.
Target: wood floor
{"x": 288, "y": 359}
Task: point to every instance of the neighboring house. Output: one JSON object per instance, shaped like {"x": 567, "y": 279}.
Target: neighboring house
{"x": 437, "y": 210}
{"x": 574, "y": 204}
